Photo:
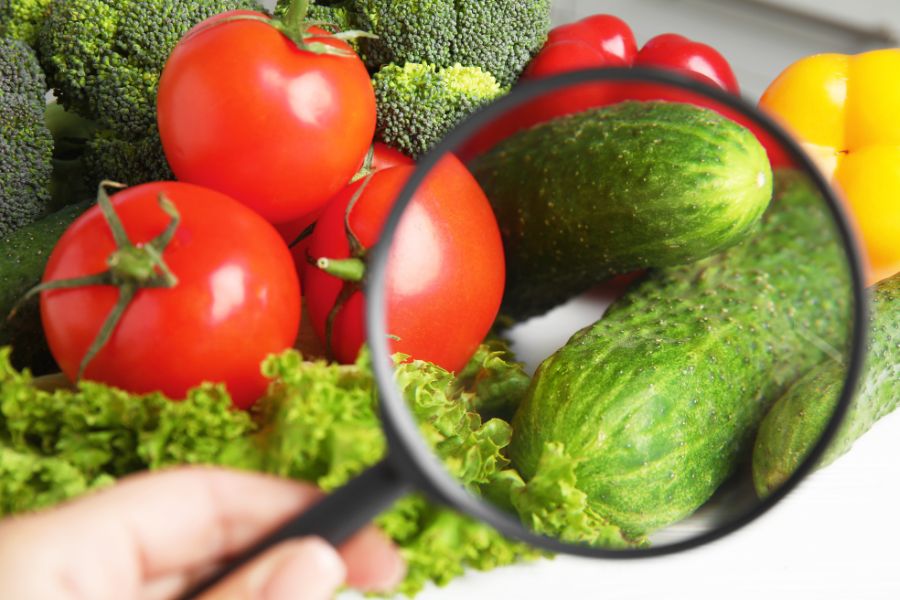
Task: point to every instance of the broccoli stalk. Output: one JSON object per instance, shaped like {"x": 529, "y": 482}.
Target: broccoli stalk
{"x": 26, "y": 145}
{"x": 418, "y": 104}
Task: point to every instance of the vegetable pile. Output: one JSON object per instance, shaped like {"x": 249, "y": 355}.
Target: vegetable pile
{"x": 184, "y": 255}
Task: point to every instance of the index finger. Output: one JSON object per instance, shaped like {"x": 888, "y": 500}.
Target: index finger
{"x": 147, "y": 527}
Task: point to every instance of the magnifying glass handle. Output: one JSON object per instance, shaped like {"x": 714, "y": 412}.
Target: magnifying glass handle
{"x": 335, "y": 518}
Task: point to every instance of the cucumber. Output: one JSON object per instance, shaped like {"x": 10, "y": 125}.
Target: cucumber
{"x": 632, "y": 186}
{"x": 23, "y": 257}
{"x": 658, "y": 402}
{"x": 797, "y": 420}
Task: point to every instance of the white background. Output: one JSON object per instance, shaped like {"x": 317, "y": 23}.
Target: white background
{"x": 835, "y": 537}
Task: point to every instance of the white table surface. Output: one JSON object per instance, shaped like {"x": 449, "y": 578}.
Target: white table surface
{"x": 834, "y": 538}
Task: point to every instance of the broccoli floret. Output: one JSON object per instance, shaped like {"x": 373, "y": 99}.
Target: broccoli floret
{"x": 500, "y": 36}
{"x": 419, "y": 103}
{"x": 23, "y": 19}
{"x": 26, "y": 145}
{"x": 416, "y": 31}
{"x": 104, "y": 57}
{"x": 132, "y": 161}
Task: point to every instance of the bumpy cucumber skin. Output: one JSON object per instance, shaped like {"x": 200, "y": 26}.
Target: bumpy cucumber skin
{"x": 632, "y": 186}
{"x": 797, "y": 420}
{"x": 23, "y": 257}
{"x": 660, "y": 400}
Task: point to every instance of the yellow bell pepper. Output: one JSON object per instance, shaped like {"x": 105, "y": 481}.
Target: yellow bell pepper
{"x": 846, "y": 112}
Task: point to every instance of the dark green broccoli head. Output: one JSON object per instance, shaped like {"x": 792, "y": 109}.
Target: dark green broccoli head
{"x": 500, "y": 36}
{"x": 104, "y": 58}
{"x": 418, "y": 31}
{"x": 127, "y": 160}
{"x": 23, "y": 19}
{"x": 418, "y": 104}
{"x": 26, "y": 146}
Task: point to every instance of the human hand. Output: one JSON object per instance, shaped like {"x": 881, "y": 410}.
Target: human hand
{"x": 153, "y": 535}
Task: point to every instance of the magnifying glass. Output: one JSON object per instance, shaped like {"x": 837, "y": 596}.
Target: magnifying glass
{"x": 636, "y": 435}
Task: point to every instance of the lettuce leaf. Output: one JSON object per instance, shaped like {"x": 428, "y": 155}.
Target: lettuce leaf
{"x": 551, "y": 503}
{"x": 29, "y": 481}
{"x": 317, "y": 423}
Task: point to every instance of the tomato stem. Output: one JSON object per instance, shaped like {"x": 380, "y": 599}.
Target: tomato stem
{"x": 366, "y": 169}
{"x": 131, "y": 268}
{"x": 357, "y": 250}
{"x": 295, "y": 18}
{"x": 349, "y": 269}
{"x": 295, "y": 26}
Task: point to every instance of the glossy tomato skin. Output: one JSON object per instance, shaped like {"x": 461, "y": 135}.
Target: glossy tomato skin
{"x": 237, "y": 299}
{"x": 383, "y": 157}
{"x": 446, "y": 272}
{"x": 243, "y": 111}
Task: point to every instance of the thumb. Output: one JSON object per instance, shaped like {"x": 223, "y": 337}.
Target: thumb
{"x": 306, "y": 569}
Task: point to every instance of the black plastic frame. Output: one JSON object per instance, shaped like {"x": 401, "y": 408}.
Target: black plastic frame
{"x": 411, "y": 456}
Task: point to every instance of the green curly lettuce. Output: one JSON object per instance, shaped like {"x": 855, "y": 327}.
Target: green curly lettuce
{"x": 497, "y": 381}
{"x": 551, "y": 503}
{"x": 30, "y": 481}
{"x": 317, "y": 423}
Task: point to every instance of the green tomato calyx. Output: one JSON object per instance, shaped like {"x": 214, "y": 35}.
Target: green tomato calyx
{"x": 297, "y": 28}
{"x": 132, "y": 267}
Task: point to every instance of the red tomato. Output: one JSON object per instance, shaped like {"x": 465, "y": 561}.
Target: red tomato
{"x": 244, "y": 111}
{"x": 237, "y": 299}
{"x": 383, "y": 157}
{"x": 446, "y": 271}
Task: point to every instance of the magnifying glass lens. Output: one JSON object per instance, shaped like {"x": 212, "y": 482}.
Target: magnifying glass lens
{"x": 666, "y": 267}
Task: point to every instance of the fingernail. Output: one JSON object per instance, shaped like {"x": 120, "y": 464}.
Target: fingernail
{"x": 397, "y": 571}
{"x": 313, "y": 570}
